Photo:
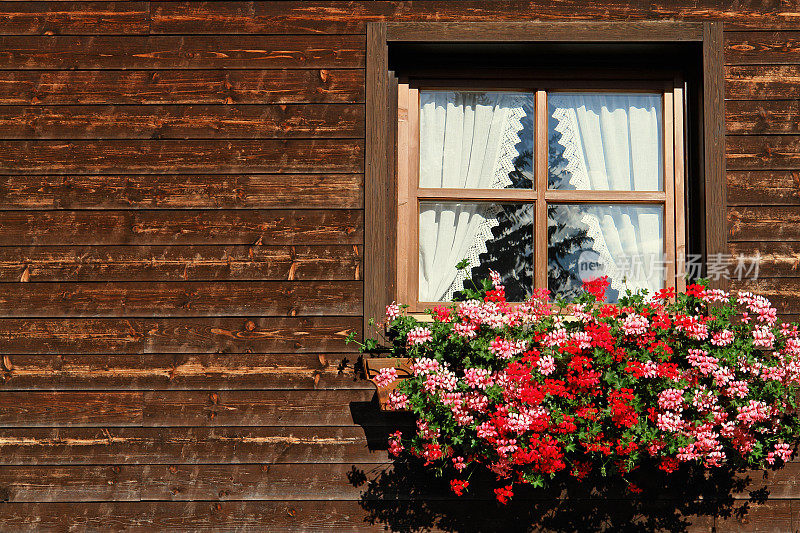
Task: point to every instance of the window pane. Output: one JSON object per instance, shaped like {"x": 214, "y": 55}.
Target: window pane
{"x": 605, "y": 141}
{"x": 490, "y": 236}
{"x": 476, "y": 139}
{"x": 623, "y": 242}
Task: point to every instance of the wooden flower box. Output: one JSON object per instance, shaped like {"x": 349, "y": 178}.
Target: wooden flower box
{"x": 374, "y": 365}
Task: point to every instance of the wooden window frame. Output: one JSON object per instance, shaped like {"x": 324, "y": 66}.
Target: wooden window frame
{"x": 410, "y": 195}
{"x": 380, "y": 228}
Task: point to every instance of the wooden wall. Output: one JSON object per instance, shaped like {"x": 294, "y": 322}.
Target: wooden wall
{"x": 181, "y": 227}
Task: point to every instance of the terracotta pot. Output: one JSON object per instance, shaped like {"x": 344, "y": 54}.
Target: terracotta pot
{"x": 373, "y": 365}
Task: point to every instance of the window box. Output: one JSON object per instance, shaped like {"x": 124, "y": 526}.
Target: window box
{"x": 373, "y": 365}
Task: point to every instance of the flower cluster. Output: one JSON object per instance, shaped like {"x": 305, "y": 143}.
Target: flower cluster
{"x": 532, "y": 390}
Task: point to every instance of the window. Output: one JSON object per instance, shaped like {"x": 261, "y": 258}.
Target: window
{"x": 547, "y": 182}
{"x": 547, "y": 171}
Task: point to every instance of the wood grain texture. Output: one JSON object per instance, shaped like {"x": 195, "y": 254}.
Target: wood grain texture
{"x": 183, "y": 298}
{"x": 517, "y": 31}
{"x": 309, "y": 515}
{"x": 66, "y": 409}
{"x": 110, "y": 87}
{"x": 48, "y": 18}
{"x": 83, "y": 483}
{"x": 180, "y": 263}
{"x": 762, "y": 47}
{"x": 186, "y": 191}
{"x": 378, "y": 185}
{"x": 182, "y": 408}
{"x": 192, "y": 445}
{"x": 176, "y": 227}
{"x": 245, "y": 482}
{"x": 762, "y": 152}
{"x": 185, "y": 483}
{"x": 272, "y": 121}
{"x": 762, "y": 117}
{"x": 767, "y": 223}
{"x": 176, "y": 371}
{"x": 770, "y": 516}
{"x": 775, "y": 259}
{"x": 763, "y": 187}
{"x": 714, "y": 143}
{"x": 762, "y": 82}
{"x": 226, "y": 17}
{"x": 205, "y": 516}
{"x": 164, "y": 157}
{"x": 181, "y": 52}
{"x": 177, "y": 335}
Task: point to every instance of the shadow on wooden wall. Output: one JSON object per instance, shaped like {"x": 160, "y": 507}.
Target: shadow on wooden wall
{"x": 406, "y": 497}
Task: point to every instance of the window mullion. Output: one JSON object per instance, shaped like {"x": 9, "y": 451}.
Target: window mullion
{"x": 412, "y": 270}
{"x": 540, "y": 186}
{"x": 669, "y": 187}
{"x": 679, "y": 201}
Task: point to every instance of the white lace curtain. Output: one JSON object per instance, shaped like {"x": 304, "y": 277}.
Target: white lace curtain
{"x": 467, "y": 140}
{"x": 613, "y": 142}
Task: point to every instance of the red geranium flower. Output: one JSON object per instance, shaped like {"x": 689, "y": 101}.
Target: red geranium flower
{"x": 503, "y": 494}
{"x": 459, "y": 486}
{"x": 597, "y": 287}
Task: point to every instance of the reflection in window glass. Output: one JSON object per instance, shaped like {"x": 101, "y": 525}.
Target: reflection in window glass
{"x": 605, "y": 141}
{"x": 623, "y": 242}
{"x": 476, "y": 139}
{"x": 490, "y": 236}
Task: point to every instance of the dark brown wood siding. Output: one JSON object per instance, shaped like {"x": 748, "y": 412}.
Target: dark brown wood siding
{"x": 181, "y": 242}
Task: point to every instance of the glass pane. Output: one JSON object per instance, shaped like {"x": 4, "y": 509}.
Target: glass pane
{"x": 605, "y": 141}
{"x": 490, "y": 236}
{"x": 623, "y": 242}
{"x": 476, "y": 139}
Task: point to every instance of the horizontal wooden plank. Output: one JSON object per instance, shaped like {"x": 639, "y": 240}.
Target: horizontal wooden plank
{"x": 763, "y": 187}
{"x": 762, "y": 152}
{"x": 98, "y": 409}
{"x": 332, "y": 17}
{"x": 768, "y": 223}
{"x": 762, "y": 47}
{"x": 181, "y": 52}
{"x": 762, "y": 82}
{"x": 262, "y": 445}
{"x": 184, "y": 483}
{"x": 82, "y": 483}
{"x": 37, "y": 18}
{"x": 187, "y": 191}
{"x": 206, "y": 516}
{"x": 187, "y": 408}
{"x": 175, "y": 371}
{"x": 183, "y": 298}
{"x": 782, "y": 292}
{"x": 746, "y": 117}
{"x": 173, "y": 227}
{"x": 519, "y": 31}
{"x": 176, "y": 335}
{"x": 180, "y": 263}
{"x": 278, "y": 121}
{"x": 326, "y": 516}
{"x": 175, "y": 156}
{"x": 775, "y": 259}
{"x": 781, "y": 484}
{"x": 761, "y": 517}
{"x": 106, "y": 87}
{"x": 264, "y": 482}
